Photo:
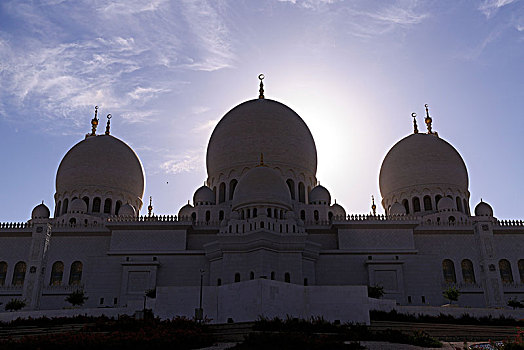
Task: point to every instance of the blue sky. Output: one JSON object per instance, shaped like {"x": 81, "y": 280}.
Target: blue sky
{"x": 169, "y": 70}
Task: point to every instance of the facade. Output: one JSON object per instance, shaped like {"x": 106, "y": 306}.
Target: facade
{"x": 261, "y": 223}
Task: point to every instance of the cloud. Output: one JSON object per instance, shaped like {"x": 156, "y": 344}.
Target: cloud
{"x": 490, "y": 7}
{"x": 205, "y": 126}
{"x": 123, "y": 55}
{"x": 184, "y": 163}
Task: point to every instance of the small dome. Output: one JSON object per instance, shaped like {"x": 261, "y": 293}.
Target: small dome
{"x": 99, "y": 164}
{"x": 422, "y": 160}
{"x": 319, "y": 195}
{"x": 446, "y": 204}
{"x": 261, "y": 185}
{"x": 338, "y": 210}
{"x": 483, "y": 209}
{"x": 186, "y": 211}
{"x": 261, "y": 126}
{"x": 41, "y": 211}
{"x": 127, "y": 210}
{"x": 78, "y": 206}
{"x": 397, "y": 209}
{"x": 204, "y": 195}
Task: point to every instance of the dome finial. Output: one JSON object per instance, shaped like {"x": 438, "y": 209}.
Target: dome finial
{"x": 415, "y": 127}
{"x": 428, "y": 120}
{"x": 373, "y": 206}
{"x": 150, "y": 206}
{"x": 261, "y": 90}
{"x": 108, "y": 122}
{"x": 94, "y": 122}
{"x": 261, "y": 160}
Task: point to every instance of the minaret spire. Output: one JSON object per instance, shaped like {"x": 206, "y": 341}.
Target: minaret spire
{"x": 415, "y": 127}
{"x": 94, "y": 122}
{"x": 428, "y": 120}
{"x": 150, "y": 206}
{"x": 261, "y": 90}
{"x": 108, "y": 122}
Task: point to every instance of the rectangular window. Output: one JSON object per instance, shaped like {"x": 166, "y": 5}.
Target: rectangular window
{"x": 409, "y": 299}
{"x": 423, "y": 298}
{"x": 101, "y": 301}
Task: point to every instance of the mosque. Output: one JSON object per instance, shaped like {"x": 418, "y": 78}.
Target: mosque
{"x": 262, "y": 236}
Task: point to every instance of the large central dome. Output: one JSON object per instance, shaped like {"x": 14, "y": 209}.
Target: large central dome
{"x": 257, "y": 127}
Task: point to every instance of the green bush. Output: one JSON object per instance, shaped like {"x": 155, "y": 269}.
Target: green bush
{"x": 375, "y": 291}
{"x": 15, "y": 305}
{"x": 77, "y": 298}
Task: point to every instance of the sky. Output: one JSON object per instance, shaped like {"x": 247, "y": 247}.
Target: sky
{"x": 167, "y": 71}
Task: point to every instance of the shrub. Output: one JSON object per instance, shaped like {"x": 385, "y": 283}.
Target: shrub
{"x": 151, "y": 293}
{"x": 514, "y": 303}
{"x": 375, "y": 291}
{"x": 77, "y": 298}
{"x": 452, "y": 294}
{"x": 15, "y": 305}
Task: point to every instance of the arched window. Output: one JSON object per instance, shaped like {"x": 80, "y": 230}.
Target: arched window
{"x": 96, "y": 205}
{"x": 315, "y": 215}
{"x": 248, "y": 213}
{"x": 465, "y": 206}
{"x": 302, "y": 215}
{"x": 438, "y": 197}
{"x": 272, "y": 275}
{"x": 291, "y": 186}
{"x": 193, "y": 216}
{"x": 448, "y": 268}
{"x": 117, "y": 207}
{"x": 468, "y": 274}
{"x": 251, "y": 275}
{"x": 221, "y": 215}
{"x": 451, "y": 219}
{"x": 66, "y": 203}
{"x": 237, "y": 277}
{"x": 305, "y": 282}
{"x": 107, "y": 206}
{"x": 287, "y": 277}
{"x": 301, "y": 192}
{"x": 222, "y": 193}
{"x": 416, "y": 204}
{"x": 521, "y": 270}
{"x": 459, "y": 204}
{"x": 72, "y": 221}
{"x": 75, "y": 276}
{"x": 505, "y": 271}
{"x": 275, "y": 213}
{"x": 208, "y": 215}
{"x": 232, "y": 185}
{"x": 57, "y": 272}
{"x": 3, "y": 272}
{"x": 255, "y": 212}
{"x": 269, "y": 211}
{"x": 19, "y": 274}
{"x": 405, "y": 203}
{"x": 427, "y": 203}
{"x": 86, "y": 201}
{"x": 219, "y": 282}
{"x": 58, "y": 207}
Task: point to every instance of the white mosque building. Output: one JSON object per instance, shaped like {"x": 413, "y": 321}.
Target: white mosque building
{"x": 262, "y": 236}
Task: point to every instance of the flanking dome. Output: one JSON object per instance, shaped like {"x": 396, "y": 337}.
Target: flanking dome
{"x": 319, "y": 195}
{"x": 41, "y": 211}
{"x": 204, "y": 195}
{"x": 78, "y": 206}
{"x": 261, "y": 186}
{"x": 483, "y": 209}
{"x": 420, "y": 169}
{"x": 422, "y": 159}
{"x": 261, "y": 126}
{"x": 102, "y": 167}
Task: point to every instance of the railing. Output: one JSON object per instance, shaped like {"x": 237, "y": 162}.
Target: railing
{"x": 11, "y": 288}
{"x": 15, "y": 225}
{"x": 511, "y": 223}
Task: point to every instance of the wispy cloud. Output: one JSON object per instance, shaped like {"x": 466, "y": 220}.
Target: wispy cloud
{"x": 48, "y": 74}
{"x": 184, "y": 163}
{"x": 490, "y": 7}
